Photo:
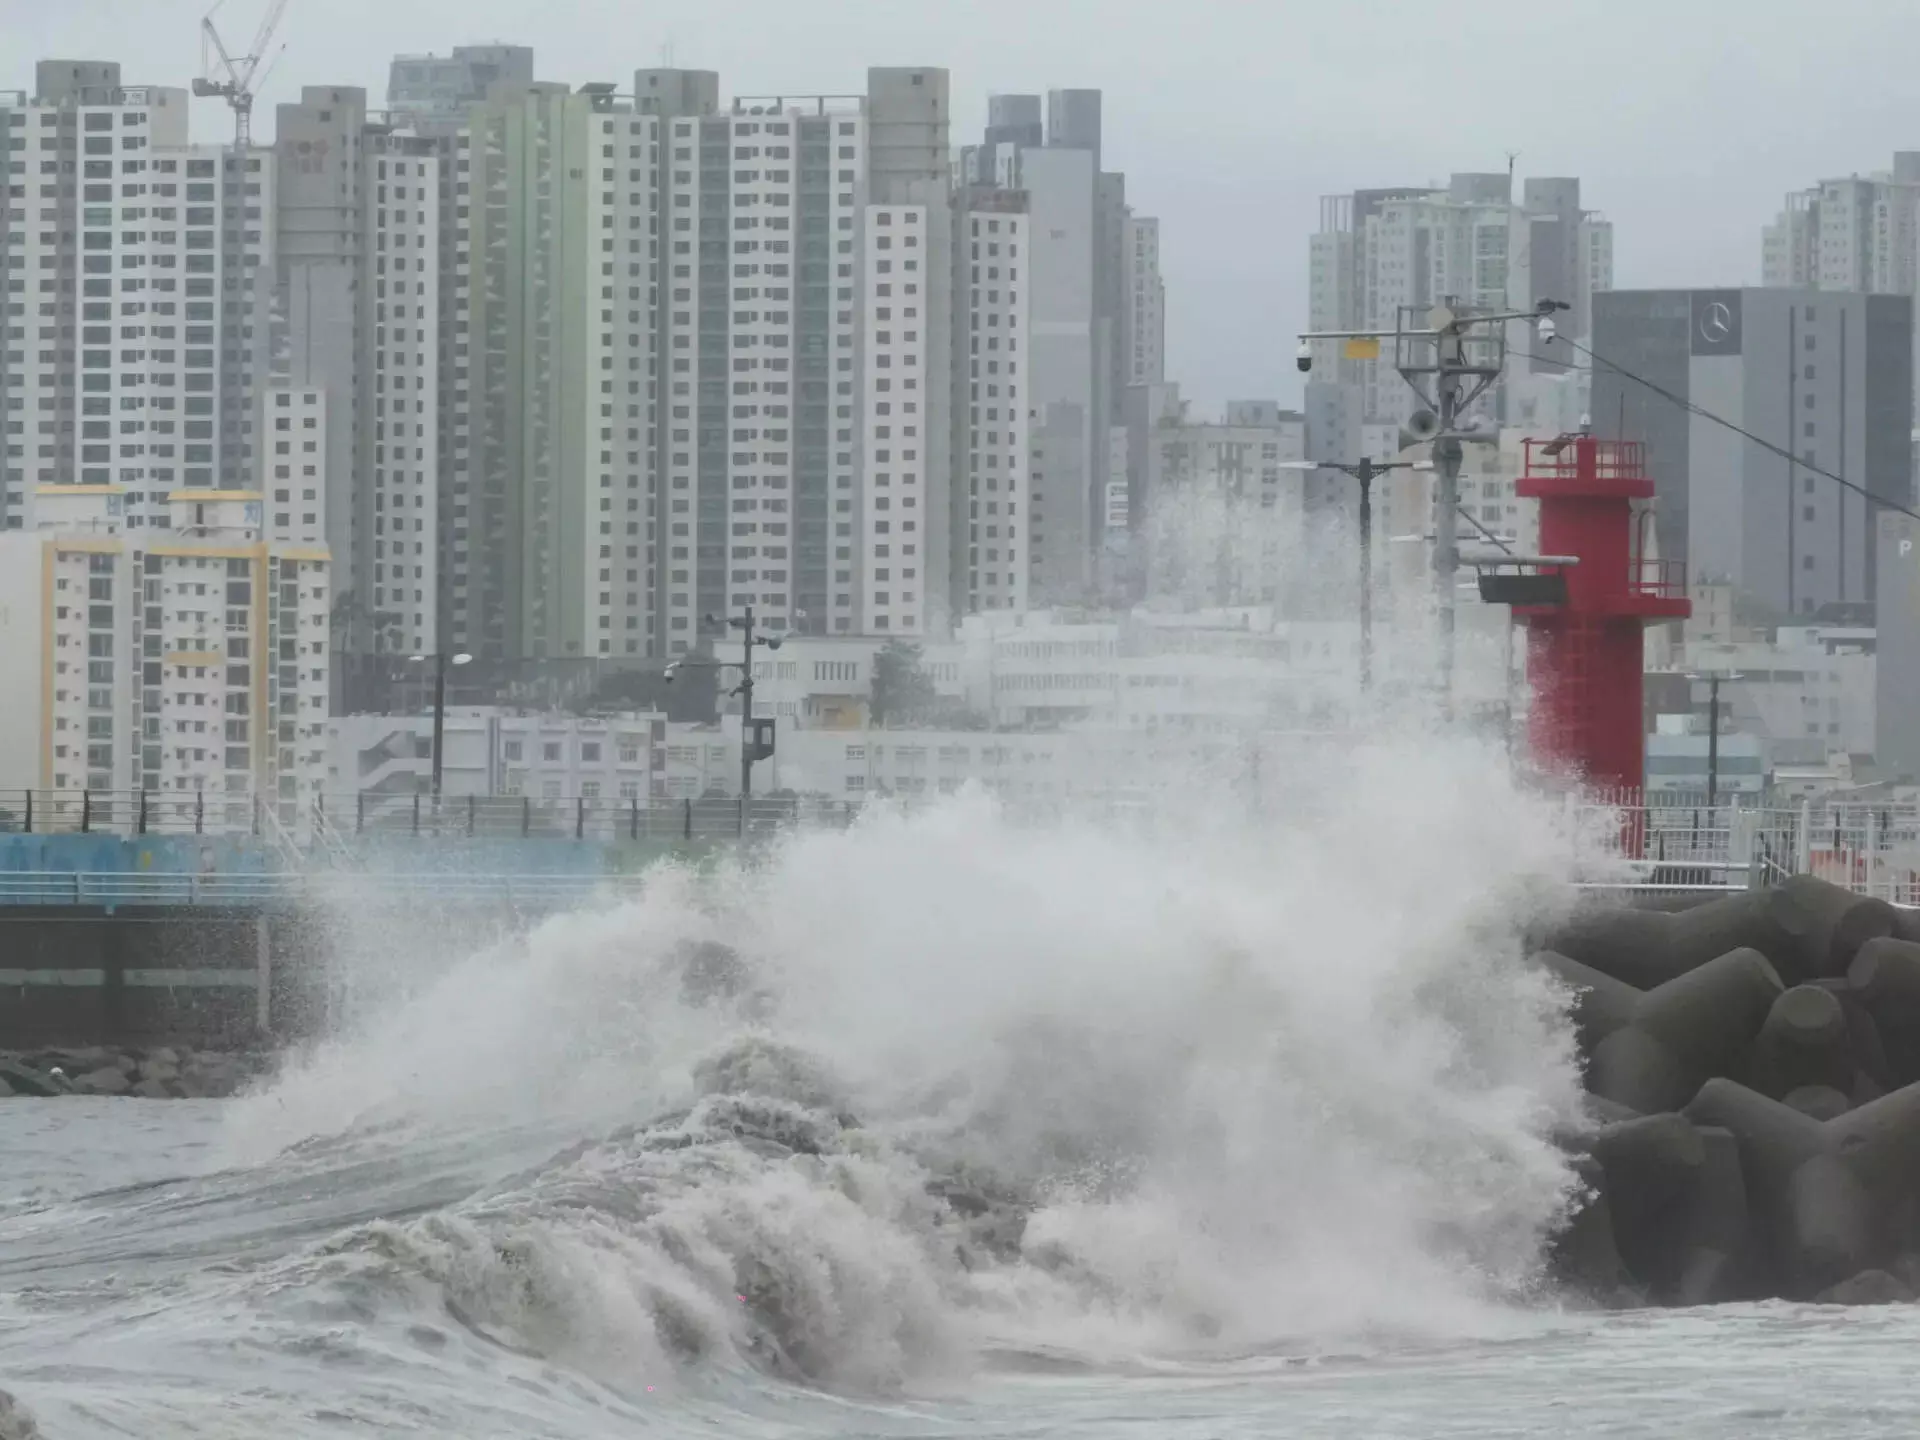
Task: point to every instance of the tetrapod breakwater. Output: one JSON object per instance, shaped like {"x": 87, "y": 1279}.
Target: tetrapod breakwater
{"x": 1753, "y": 1067}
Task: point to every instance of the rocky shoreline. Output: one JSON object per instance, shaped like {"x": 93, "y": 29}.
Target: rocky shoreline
{"x": 160, "y": 1072}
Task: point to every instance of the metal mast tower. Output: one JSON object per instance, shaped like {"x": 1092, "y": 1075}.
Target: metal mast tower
{"x": 1450, "y": 362}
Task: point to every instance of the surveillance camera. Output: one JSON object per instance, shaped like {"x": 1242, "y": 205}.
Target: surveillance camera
{"x": 1304, "y": 357}
{"x": 1547, "y": 330}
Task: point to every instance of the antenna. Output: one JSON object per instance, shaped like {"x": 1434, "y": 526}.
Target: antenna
{"x": 237, "y": 88}
{"x": 1512, "y": 155}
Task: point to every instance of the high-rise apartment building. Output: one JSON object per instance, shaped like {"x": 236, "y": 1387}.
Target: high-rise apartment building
{"x": 359, "y": 287}
{"x": 431, "y": 94}
{"x": 637, "y": 360}
{"x": 560, "y": 248}
{"x": 1825, "y": 376}
{"x": 1144, "y": 336}
{"x": 138, "y": 313}
{"x": 991, "y": 496}
{"x": 190, "y": 661}
{"x": 1097, "y": 322}
{"x": 1378, "y": 251}
{"x": 1860, "y": 234}
{"x": 1224, "y": 525}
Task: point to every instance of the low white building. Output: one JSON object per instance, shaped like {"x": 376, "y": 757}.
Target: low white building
{"x": 493, "y": 751}
{"x": 1808, "y": 691}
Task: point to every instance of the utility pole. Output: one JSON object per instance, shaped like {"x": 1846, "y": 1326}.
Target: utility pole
{"x": 1714, "y": 679}
{"x": 1449, "y": 362}
{"x": 750, "y": 748}
{"x": 1713, "y": 745}
{"x": 744, "y": 625}
{"x": 441, "y": 659}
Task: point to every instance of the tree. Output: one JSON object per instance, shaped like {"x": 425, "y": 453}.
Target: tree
{"x": 902, "y": 691}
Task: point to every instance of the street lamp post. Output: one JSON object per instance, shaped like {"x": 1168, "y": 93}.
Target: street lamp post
{"x": 1714, "y": 679}
{"x": 441, "y": 659}
{"x": 1365, "y": 470}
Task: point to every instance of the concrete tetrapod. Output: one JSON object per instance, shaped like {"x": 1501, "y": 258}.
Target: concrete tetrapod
{"x": 1678, "y": 1205}
{"x": 1647, "y": 948}
{"x": 1832, "y": 1199}
{"x": 1601, "y": 1004}
{"x": 1584, "y": 1254}
{"x": 1885, "y": 976}
{"x": 1821, "y": 1102}
{"x": 1828, "y": 922}
{"x": 1804, "y": 1041}
{"x": 1807, "y": 927}
{"x": 1695, "y": 1026}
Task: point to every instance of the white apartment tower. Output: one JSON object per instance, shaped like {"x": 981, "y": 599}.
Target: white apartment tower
{"x": 762, "y": 210}
{"x": 805, "y": 446}
{"x": 896, "y": 522}
{"x": 137, "y": 313}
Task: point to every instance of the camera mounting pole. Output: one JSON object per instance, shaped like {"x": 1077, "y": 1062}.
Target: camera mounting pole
{"x": 1449, "y": 361}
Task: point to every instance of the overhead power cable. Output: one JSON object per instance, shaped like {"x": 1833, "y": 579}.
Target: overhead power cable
{"x": 1705, "y": 414}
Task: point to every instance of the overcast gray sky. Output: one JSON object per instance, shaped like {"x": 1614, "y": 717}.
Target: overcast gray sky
{"x": 1686, "y": 120}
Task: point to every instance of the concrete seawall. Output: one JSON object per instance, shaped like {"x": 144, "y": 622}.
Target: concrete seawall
{"x": 184, "y": 940}
{"x": 96, "y": 975}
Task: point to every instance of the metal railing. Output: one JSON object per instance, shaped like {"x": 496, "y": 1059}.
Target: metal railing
{"x": 116, "y": 888}
{"x": 1658, "y": 579}
{"x": 1668, "y": 838}
{"x": 578, "y": 817}
{"x": 136, "y": 812}
{"x": 112, "y": 889}
{"x": 332, "y": 820}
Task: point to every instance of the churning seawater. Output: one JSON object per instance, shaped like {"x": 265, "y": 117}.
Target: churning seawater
{"x": 1200, "y": 1129}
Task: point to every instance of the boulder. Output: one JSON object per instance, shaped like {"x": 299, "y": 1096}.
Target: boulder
{"x": 151, "y": 1089}
{"x": 1869, "y": 1287}
{"x": 107, "y": 1080}
{"x": 159, "y": 1070}
{"x": 16, "y": 1423}
{"x": 23, "y": 1079}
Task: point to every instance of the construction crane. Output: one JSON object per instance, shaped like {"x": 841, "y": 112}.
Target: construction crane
{"x": 237, "y": 87}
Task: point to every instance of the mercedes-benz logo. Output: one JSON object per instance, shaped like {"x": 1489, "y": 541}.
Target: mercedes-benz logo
{"x": 1716, "y": 322}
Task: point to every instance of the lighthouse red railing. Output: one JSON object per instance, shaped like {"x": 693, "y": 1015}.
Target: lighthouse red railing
{"x": 1658, "y": 579}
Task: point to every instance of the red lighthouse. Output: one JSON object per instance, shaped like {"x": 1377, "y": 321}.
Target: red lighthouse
{"x": 1584, "y": 644}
